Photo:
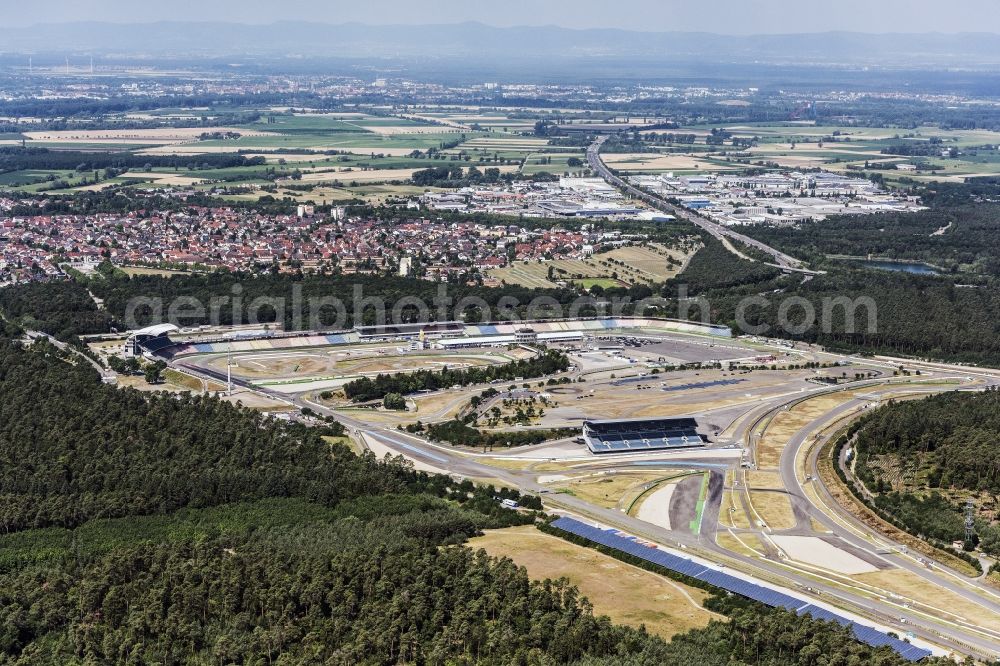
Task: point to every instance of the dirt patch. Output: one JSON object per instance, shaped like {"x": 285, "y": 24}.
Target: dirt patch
{"x": 608, "y": 490}
{"x": 822, "y": 553}
{"x": 626, "y": 594}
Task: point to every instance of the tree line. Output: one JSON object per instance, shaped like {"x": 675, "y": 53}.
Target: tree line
{"x": 119, "y": 291}
{"x": 16, "y": 158}
{"x": 365, "y": 389}
{"x": 458, "y": 431}
{"x": 74, "y": 450}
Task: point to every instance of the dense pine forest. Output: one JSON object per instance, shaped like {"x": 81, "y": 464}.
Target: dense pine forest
{"x": 64, "y": 309}
{"x": 956, "y": 238}
{"x": 915, "y": 315}
{"x": 954, "y": 435}
{"x": 921, "y": 460}
{"x": 714, "y": 267}
{"x": 350, "y": 290}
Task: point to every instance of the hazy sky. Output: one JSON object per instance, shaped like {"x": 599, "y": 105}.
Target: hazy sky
{"x": 721, "y": 16}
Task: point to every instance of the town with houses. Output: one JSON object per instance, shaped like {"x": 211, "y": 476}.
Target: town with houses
{"x": 421, "y": 244}
{"x": 40, "y": 247}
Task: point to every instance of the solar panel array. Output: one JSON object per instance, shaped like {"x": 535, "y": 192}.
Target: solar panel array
{"x": 700, "y": 385}
{"x": 632, "y": 546}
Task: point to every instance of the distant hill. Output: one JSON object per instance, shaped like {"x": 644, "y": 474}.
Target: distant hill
{"x": 476, "y": 40}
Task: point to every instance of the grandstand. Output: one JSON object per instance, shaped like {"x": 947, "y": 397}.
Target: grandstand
{"x": 442, "y": 329}
{"x": 446, "y": 334}
{"x": 272, "y": 342}
{"x": 641, "y": 435}
{"x": 150, "y": 339}
{"x": 599, "y": 326}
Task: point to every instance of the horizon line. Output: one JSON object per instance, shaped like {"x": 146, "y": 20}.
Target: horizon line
{"x": 505, "y": 27}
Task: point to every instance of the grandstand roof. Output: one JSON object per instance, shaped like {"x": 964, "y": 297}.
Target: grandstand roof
{"x": 645, "y": 419}
{"x": 153, "y": 331}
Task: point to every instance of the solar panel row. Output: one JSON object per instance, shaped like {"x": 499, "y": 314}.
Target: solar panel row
{"x": 698, "y": 385}
{"x": 629, "y": 544}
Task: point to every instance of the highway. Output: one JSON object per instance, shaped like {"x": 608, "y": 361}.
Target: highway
{"x": 783, "y": 261}
{"x": 101, "y": 370}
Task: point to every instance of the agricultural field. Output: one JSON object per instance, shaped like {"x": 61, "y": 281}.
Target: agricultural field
{"x": 510, "y": 148}
{"x": 142, "y": 137}
{"x": 554, "y": 163}
{"x": 805, "y": 145}
{"x": 344, "y": 150}
{"x": 678, "y": 163}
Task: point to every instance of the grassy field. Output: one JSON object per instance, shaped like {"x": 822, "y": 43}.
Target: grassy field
{"x": 142, "y": 270}
{"x": 628, "y": 595}
{"x": 944, "y": 602}
{"x": 622, "y": 266}
{"x": 39, "y": 180}
{"x": 609, "y": 490}
{"x": 775, "y": 508}
{"x": 346, "y": 441}
{"x": 805, "y": 145}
